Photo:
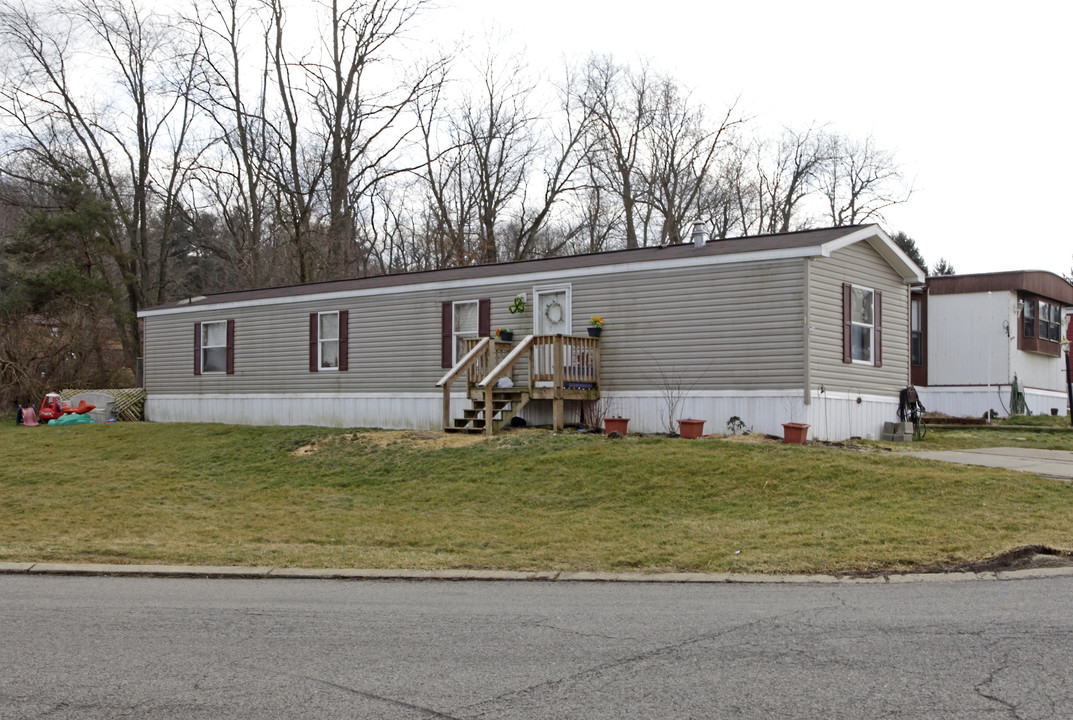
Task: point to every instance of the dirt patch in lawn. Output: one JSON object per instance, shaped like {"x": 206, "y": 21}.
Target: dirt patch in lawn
{"x": 415, "y": 439}
{"x": 1021, "y": 558}
{"x": 749, "y": 438}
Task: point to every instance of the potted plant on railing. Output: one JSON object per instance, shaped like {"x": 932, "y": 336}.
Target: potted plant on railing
{"x": 504, "y": 334}
{"x": 596, "y": 326}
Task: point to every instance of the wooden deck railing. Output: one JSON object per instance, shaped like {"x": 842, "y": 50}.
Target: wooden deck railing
{"x": 565, "y": 361}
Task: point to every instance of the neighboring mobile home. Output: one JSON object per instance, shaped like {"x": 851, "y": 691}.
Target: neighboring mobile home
{"x": 808, "y": 327}
{"x": 972, "y": 335}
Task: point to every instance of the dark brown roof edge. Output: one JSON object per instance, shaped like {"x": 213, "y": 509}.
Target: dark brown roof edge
{"x": 1038, "y": 282}
{"x": 727, "y": 246}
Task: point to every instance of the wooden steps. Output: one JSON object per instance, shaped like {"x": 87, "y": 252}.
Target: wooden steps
{"x": 505, "y": 405}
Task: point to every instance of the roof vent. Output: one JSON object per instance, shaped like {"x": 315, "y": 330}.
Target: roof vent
{"x": 700, "y": 234}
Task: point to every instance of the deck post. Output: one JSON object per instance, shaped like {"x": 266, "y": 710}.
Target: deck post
{"x": 488, "y": 412}
{"x": 557, "y": 401}
{"x": 596, "y": 361}
{"x": 489, "y": 390}
{"x": 447, "y": 405}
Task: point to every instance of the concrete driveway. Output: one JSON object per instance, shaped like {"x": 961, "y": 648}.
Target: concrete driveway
{"x": 1051, "y": 463}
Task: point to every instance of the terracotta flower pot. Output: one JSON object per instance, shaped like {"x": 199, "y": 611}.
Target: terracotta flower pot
{"x": 795, "y": 433}
{"x": 691, "y": 428}
{"x": 615, "y": 425}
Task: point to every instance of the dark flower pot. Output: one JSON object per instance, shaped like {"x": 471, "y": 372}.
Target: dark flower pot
{"x": 506, "y": 336}
{"x": 595, "y": 331}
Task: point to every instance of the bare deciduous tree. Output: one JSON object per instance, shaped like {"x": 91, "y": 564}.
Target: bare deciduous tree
{"x": 859, "y": 181}
{"x": 129, "y": 138}
{"x": 682, "y": 150}
{"x": 617, "y": 98}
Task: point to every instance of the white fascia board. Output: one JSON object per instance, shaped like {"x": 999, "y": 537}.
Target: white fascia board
{"x": 546, "y": 276}
{"x": 878, "y": 239}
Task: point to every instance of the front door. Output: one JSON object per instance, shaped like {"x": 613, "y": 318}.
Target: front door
{"x": 551, "y": 317}
{"x": 552, "y": 311}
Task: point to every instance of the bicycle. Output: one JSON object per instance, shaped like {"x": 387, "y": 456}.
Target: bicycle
{"x": 910, "y": 409}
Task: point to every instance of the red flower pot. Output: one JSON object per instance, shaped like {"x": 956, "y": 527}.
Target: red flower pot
{"x": 615, "y": 425}
{"x": 794, "y": 433}
{"x": 691, "y": 428}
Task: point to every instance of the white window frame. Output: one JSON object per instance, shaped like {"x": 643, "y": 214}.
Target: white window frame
{"x": 205, "y": 347}
{"x": 321, "y": 340}
{"x": 871, "y": 326}
{"x": 456, "y": 334}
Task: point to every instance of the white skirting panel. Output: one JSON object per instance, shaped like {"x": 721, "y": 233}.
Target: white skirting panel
{"x": 975, "y": 401}
{"x": 833, "y": 416}
{"x": 405, "y": 411}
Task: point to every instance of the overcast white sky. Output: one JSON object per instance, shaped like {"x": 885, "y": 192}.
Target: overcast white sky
{"x": 973, "y": 97}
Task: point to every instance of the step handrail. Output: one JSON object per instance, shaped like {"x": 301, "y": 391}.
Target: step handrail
{"x": 507, "y": 363}
{"x": 463, "y": 364}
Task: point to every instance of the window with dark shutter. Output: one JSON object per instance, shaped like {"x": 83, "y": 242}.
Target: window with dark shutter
{"x": 862, "y": 328}
{"x": 329, "y": 340}
{"x": 215, "y": 347}
{"x": 460, "y": 320}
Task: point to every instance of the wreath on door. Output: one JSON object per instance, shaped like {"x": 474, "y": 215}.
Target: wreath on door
{"x": 554, "y": 312}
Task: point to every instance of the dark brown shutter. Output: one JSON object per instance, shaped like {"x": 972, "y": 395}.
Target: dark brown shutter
{"x": 446, "y": 337}
{"x": 314, "y": 337}
{"x": 197, "y": 348}
{"x": 878, "y": 318}
{"x": 847, "y": 323}
{"x": 344, "y": 339}
{"x": 230, "y": 347}
{"x": 484, "y": 317}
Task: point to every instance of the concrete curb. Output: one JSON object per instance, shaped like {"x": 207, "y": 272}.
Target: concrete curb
{"x": 263, "y": 573}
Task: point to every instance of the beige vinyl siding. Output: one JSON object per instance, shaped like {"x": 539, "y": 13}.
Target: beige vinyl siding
{"x": 394, "y": 344}
{"x": 722, "y": 327}
{"x": 726, "y": 327}
{"x": 858, "y": 264}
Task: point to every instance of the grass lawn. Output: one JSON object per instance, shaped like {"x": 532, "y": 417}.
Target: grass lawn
{"x": 317, "y": 497}
{"x": 1045, "y": 432}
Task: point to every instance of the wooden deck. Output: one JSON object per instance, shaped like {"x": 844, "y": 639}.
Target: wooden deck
{"x": 541, "y": 367}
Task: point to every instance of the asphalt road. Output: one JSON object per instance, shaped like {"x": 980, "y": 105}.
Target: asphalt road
{"x": 88, "y": 647}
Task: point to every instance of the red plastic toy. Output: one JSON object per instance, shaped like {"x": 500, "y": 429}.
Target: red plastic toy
{"x": 50, "y": 407}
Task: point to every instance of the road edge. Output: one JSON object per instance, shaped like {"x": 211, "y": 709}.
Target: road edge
{"x": 266, "y": 573}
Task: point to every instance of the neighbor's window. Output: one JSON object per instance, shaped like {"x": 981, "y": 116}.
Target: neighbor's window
{"x": 465, "y": 325}
{"x": 862, "y": 314}
{"x": 214, "y": 347}
{"x": 1030, "y": 318}
{"x": 328, "y": 340}
{"x": 1050, "y": 320}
